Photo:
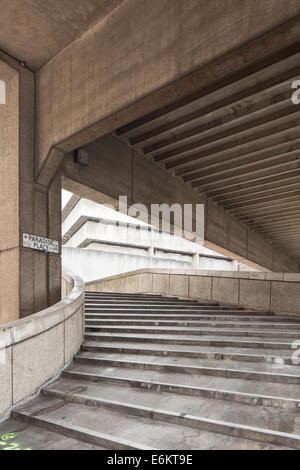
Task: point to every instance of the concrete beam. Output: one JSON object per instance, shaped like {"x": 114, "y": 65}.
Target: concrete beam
{"x": 258, "y": 103}
{"x": 257, "y": 195}
{"x": 83, "y": 94}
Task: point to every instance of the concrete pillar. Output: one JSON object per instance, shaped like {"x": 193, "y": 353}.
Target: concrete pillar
{"x": 29, "y": 280}
{"x": 151, "y": 251}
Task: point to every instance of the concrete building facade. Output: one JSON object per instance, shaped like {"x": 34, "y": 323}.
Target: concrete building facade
{"x": 100, "y": 242}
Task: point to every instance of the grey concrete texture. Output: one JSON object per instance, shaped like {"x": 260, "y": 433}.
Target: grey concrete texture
{"x": 25, "y": 437}
{"x": 124, "y": 392}
{"x": 214, "y": 408}
{"x": 34, "y": 350}
{"x": 240, "y": 21}
{"x": 125, "y": 427}
{"x": 29, "y": 280}
{"x": 42, "y": 30}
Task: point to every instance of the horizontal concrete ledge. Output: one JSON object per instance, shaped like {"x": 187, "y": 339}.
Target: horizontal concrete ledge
{"x": 34, "y": 350}
{"x": 289, "y": 277}
{"x": 266, "y": 291}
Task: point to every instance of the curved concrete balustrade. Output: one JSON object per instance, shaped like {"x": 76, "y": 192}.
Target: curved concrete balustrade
{"x": 34, "y": 350}
{"x": 279, "y": 292}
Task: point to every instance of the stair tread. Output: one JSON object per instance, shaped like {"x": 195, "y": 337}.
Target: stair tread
{"x": 147, "y": 432}
{"x": 163, "y": 307}
{"x": 194, "y": 337}
{"x": 192, "y": 380}
{"x": 277, "y": 369}
{"x": 196, "y": 317}
{"x": 148, "y": 302}
{"x": 194, "y": 323}
{"x": 208, "y": 333}
{"x": 183, "y": 348}
{"x": 238, "y": 413}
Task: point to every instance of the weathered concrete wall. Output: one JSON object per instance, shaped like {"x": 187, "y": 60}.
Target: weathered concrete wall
{"x": 29, "y": 280}
{"x": 34, "y": 350}
{"x": 137, "y": 49}
{"x": 278, "y": 292}
{"x": 9, "y": 196}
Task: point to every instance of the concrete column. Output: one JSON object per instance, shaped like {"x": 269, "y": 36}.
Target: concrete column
{"x": 29, "y": 280}
{"x": 151, "y": 251}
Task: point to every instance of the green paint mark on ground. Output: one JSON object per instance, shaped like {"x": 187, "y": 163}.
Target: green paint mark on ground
{"x": 6, "y": 444}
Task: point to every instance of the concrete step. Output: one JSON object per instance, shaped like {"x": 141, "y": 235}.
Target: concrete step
{"x": 48, "y": 414}
{"x": 145, "y": 302}
{"x": 259, "y": 333}
{"x": 169, "y": 311}
{"x": 164, "y": 305}
{"x": 142, "y": 377}
{"x": 107, "y": 342}
{"x": 149, "y": 306}
{"x": 178, "y": 311}
{"x": 196, "y": 412}
{"x": 125, "y": 430}
{"x": 198, "y": 317}
{"x": 278, "y": 373}
{"x": 124, "y": 294}
{"x": 190, "y": 323}
{"x": 24, "y": 436}
{"x": 162, "y": 301}
{"x": 144, "y": 298}
{"x": 168, "y": 384}
{"x": 279, "y": 343}
{"x": 268, "y": 356}
{"x": 159, "y": 372}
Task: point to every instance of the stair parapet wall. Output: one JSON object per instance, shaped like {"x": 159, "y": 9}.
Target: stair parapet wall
{"x": 278, "y": 292}
{"x": 35, "y": 349}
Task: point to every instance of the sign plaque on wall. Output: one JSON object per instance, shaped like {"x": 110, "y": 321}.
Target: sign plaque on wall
{"x": 40, "y": 243}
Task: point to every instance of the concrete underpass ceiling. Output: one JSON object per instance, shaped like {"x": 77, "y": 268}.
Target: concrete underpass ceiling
{"x": 34, "y": 31}
{"x": 237, "y": 143}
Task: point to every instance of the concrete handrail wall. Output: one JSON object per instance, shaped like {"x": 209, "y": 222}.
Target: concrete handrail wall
{"x": 279, "y": 292}
{"x": 35, "y": 349}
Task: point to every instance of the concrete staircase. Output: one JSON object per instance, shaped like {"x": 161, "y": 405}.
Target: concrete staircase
{"x": 163, "y": 373}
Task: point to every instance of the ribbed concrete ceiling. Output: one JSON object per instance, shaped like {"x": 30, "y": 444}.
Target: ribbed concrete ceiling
{"x": 238, "y": 143}
{"x": 33, "y": 31}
